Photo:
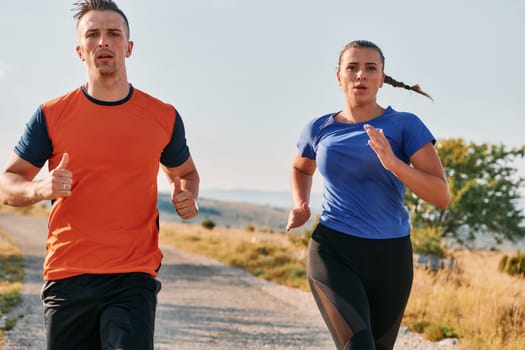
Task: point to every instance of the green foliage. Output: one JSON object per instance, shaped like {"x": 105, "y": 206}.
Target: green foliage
{"x": 11, "y": 277}
{"x": 513, "y": 265}
{"x": 269, "y": 261}
{"x": 418, "y": 326}
{"x": 208, "y": 224}
{"x": 437, "y": 333}
{"x": 10, "y": 299}
{"x": 484, "y": 187}
{"x": 9, "y": 324}
{"x": 427, "y": 241}
{"x": 11, "y": 268}
{"x": 432, "y": 331}
{"x": 300, "y": 239}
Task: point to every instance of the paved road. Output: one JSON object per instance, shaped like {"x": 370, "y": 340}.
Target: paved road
{"x": 202, "y": 305}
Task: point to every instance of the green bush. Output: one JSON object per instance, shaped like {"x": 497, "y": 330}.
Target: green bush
{"x": 427, "y": 241}
{"x": 9, "y": 300}
{"x": 431, "y": 331}
{"x": 513, "y": 265}
{"x": 208, "y": 224}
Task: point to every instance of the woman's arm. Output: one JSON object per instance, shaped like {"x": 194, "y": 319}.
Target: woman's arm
{"x": 426, "y": 177}
{"x": 301, "y": 186}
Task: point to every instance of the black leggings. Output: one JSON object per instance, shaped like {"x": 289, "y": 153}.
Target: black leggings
{"x": 361, "y": 286}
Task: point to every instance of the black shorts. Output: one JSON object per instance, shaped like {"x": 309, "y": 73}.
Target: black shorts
{"x": 92, "y": 312}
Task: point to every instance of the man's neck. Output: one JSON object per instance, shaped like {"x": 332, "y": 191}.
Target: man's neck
{"x": 107, "y": 89}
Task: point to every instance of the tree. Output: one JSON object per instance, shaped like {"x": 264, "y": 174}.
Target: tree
{"x": 485, "y": 189}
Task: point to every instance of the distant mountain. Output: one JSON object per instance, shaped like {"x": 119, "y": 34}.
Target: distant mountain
{"x": 239, "y": 208}
{"x": 268, "y": 210}
{"x": 228, "y": 213}
{"x": 276, "y": 199}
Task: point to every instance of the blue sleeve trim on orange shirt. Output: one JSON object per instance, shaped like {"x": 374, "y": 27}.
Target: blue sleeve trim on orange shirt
{"x": 176, "y": 151}
{"x": 35, "y": 146}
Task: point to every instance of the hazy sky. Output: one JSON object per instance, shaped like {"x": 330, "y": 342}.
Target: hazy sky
{"x": 247, "y": 75}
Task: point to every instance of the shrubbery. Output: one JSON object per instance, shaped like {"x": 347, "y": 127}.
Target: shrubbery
{"x": 513, "y": 265}
{"x": 208, "y": 224}
{"x": 427, "y": 241}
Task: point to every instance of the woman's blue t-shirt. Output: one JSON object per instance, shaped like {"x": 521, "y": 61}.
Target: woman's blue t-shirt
{"x": 360, "y": 197}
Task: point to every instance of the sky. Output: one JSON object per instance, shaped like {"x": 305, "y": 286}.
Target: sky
{"x": 247, "y": 75}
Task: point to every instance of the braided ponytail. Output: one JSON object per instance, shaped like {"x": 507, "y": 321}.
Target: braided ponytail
{"x": 391, "y": 81}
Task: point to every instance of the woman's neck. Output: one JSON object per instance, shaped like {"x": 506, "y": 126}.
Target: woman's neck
{"x": 359, "y": 113}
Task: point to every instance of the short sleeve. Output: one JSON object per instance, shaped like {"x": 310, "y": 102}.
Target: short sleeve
{"x": 35, "y": 146}
{"x": 176, "y": 151}
{"x": 416, "y": 135}
{"x": 305, "y": 145}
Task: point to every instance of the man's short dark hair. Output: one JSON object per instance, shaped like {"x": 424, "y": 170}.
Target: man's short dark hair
{"x": 83, "y": 7}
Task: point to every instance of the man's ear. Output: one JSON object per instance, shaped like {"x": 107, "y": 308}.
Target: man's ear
{"x": 79, "y": 53}
{"x": 130, "y": 48}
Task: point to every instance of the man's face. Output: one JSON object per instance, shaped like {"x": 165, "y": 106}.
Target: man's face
{"x": 103, "y": 42}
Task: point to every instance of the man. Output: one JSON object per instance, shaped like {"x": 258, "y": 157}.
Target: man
{"x": 103, "y": 143}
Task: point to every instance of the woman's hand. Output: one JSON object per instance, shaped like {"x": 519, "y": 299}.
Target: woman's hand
{"x": 298, "y": 217}
{"x": 379, "y": 143}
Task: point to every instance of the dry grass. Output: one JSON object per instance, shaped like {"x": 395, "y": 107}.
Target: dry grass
{"x": 475, "y": 302}
{"x": 484, "y": 307}
{"x": 11, "y": 276}
{"x": 39, "y": 210}
{"x": 271, "y": 256}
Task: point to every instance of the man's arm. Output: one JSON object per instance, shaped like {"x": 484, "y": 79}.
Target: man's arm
{"x": 184, "y": 181}
{"x": 18, "y": 189}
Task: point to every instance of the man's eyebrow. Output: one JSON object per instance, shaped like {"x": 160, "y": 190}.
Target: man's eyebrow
{"x": 370, "y": 63}
{"x": 109, "y": 30}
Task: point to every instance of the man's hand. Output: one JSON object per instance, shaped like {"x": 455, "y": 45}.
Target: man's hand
{"x": 183, "y": 200}
{"x": 59, "y": 182}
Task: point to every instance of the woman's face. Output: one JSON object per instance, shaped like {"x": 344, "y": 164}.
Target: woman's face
{"x": 360, "y": 74}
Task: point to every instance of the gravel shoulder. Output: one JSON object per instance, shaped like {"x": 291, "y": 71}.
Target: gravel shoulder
{"x": 202, "y": 304}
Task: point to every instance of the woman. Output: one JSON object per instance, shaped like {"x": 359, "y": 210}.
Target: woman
{"x": 360, "y": 256}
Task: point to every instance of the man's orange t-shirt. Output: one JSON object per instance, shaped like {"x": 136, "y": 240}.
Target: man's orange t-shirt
{"x": 109, "y": 224}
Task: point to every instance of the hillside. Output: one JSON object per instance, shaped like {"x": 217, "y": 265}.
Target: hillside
{"x": 236, "y": 213}
{"x": 230, "y": 214}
